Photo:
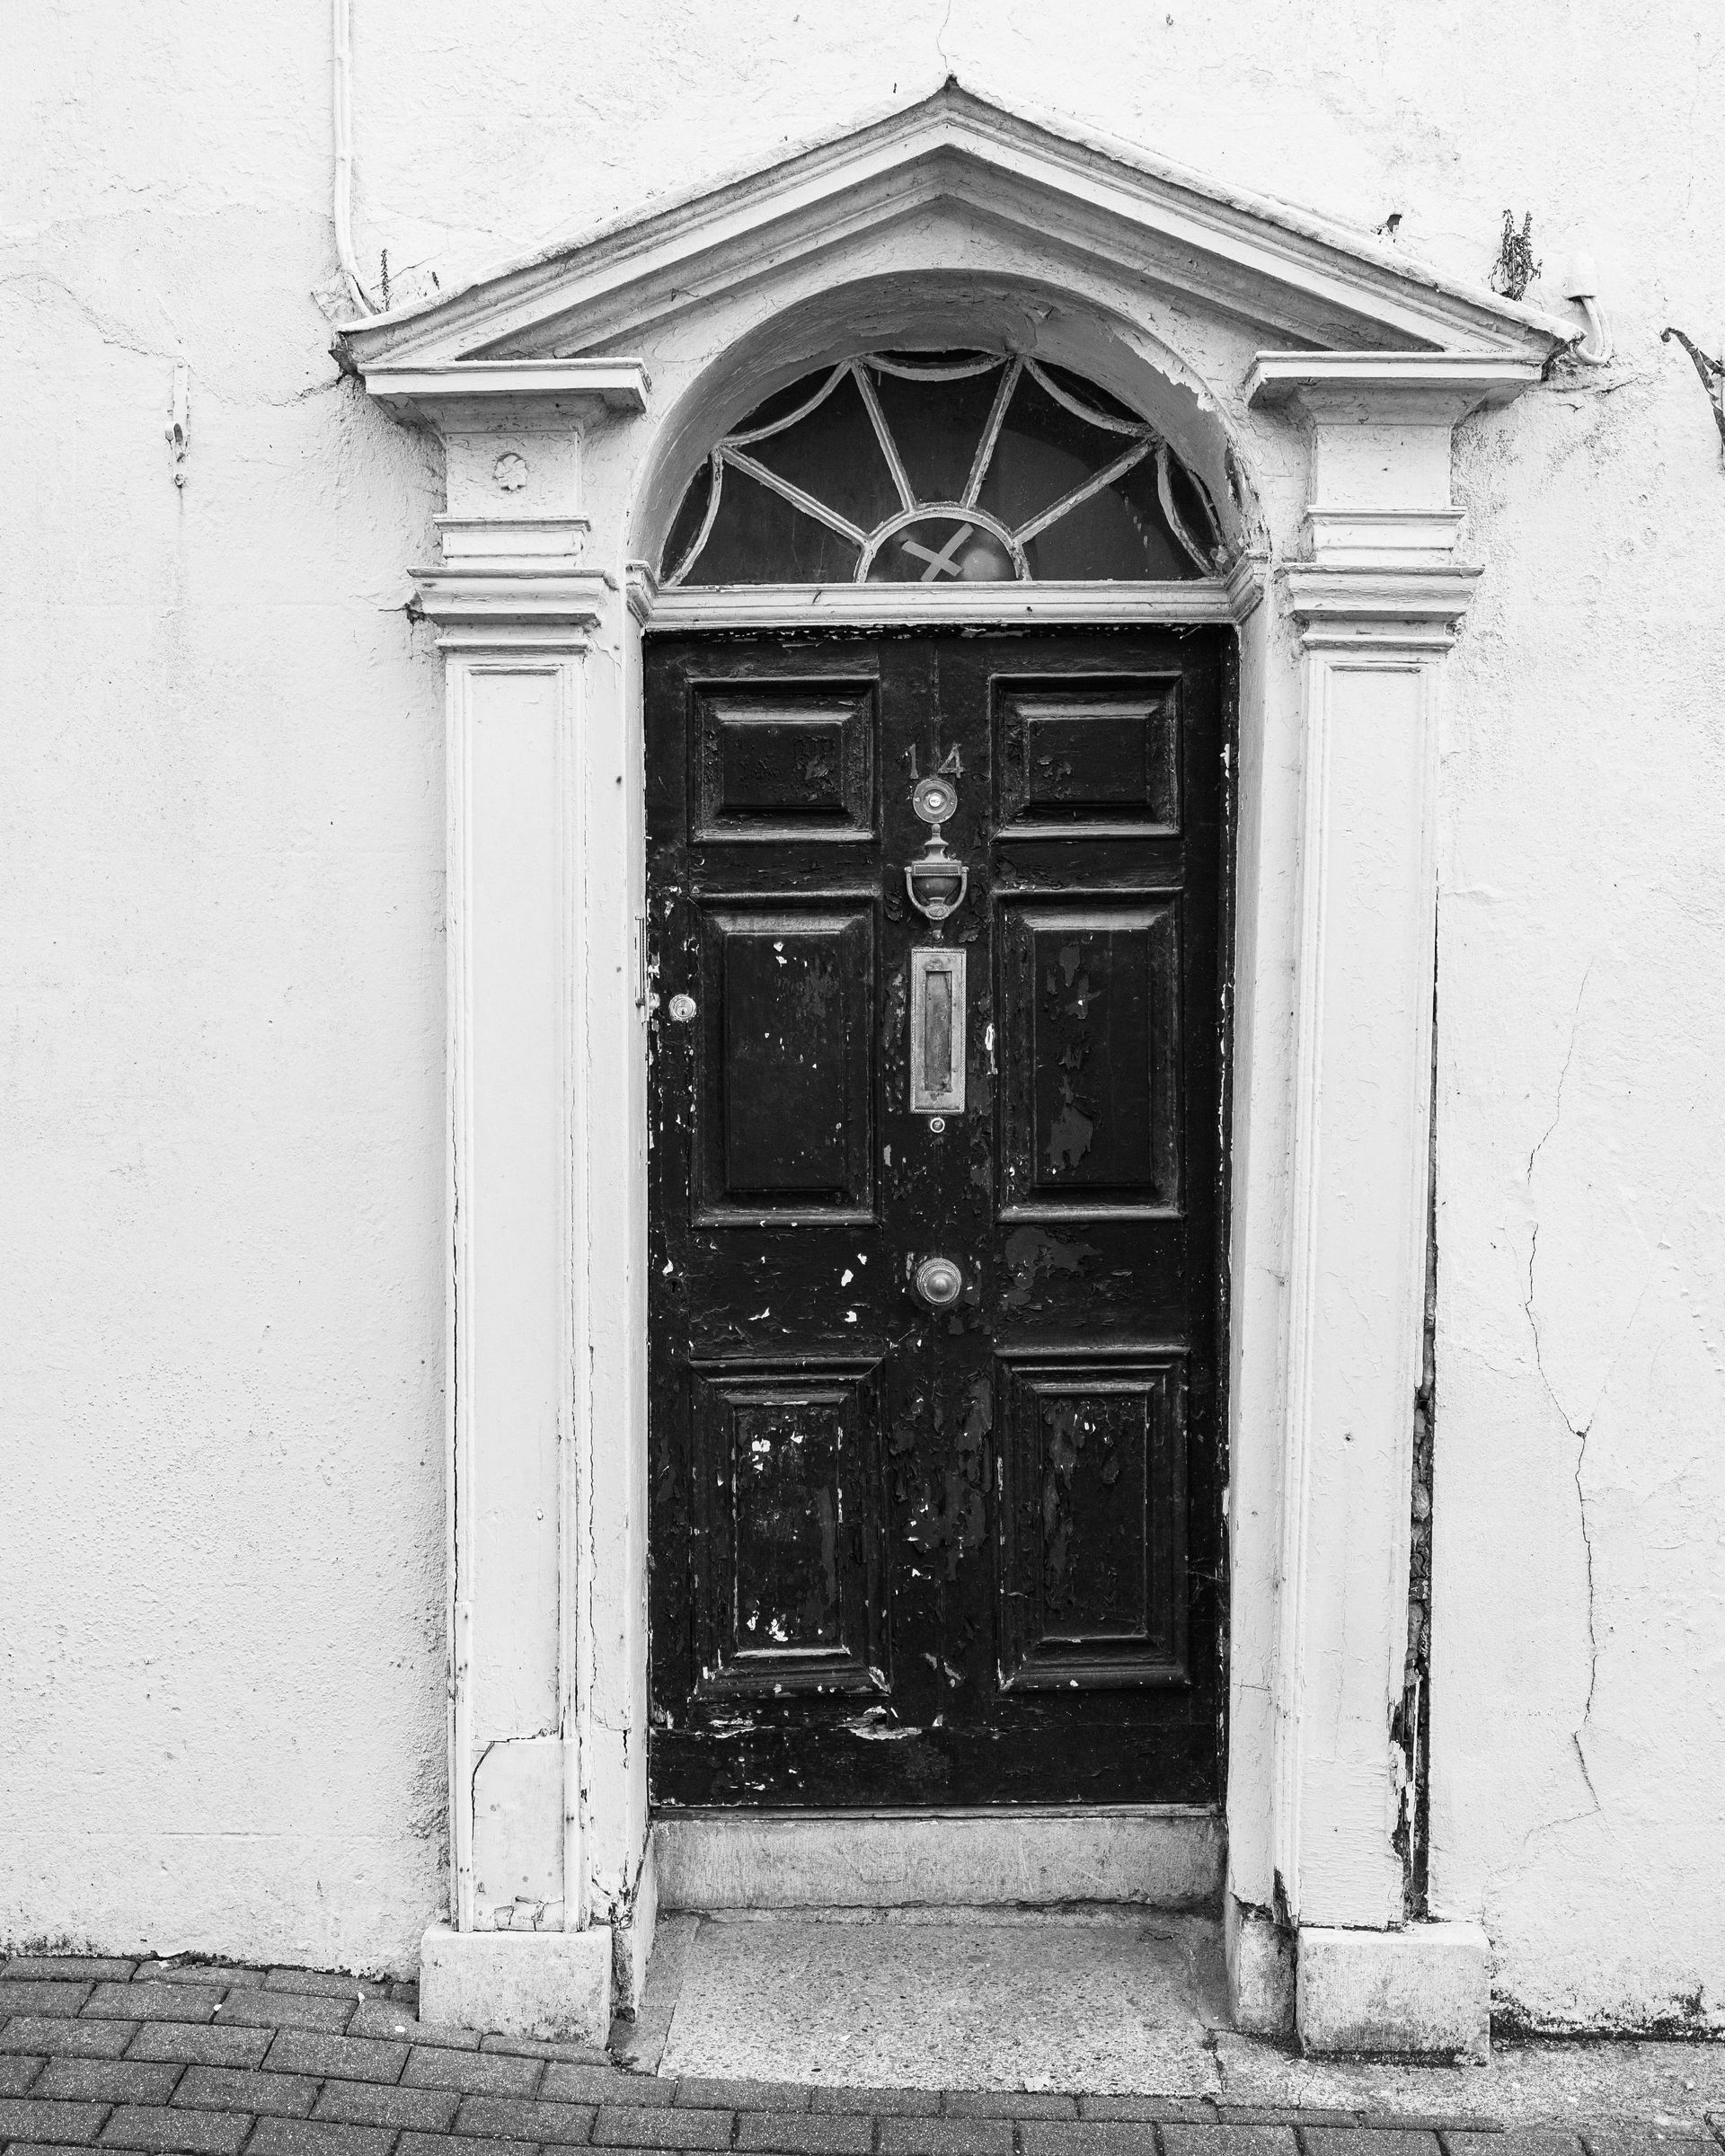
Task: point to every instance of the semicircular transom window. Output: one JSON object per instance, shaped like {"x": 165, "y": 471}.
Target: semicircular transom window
{"x": 941, "y": 468}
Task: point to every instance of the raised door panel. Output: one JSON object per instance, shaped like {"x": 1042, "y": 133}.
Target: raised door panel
{"x": 786, "y": 1567}
{"x": 1092, "y": 1574}
{"x": 785, "y": 1106}
{"x": 1090, "y": 1087}
{"x": 1095, "y": 760}
{"x": 783, "y": 761}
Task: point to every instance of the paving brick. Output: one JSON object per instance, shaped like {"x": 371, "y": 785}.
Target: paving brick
{"x": 287, "y": 2010}
{"x": 198, "y": 2133}
{"x": 1365, "y": 2141}
{"x": 311, "y": 2137}
{"x": 1682, "y": 2138}
{"x": 18, "y": 2070}
{"x": 81, "y": 1968}
{"x": 23, "y": 2119}
{"x": 1008, "y": 2103}
{"x": 214, "y": 1975}
{"x": 629, "y": 2126}
{"x": 882, "y": 2103}
{"x": 346, "y": 2058}
{"x": 455, "y": 2144}
{"x": 546, "y": 2047}
{"x": 385, "y": 2018}
{"x": 696, "y": 2093}
{"x": 363, "y": 2104}
{"x": 69, "y": 2040}
{"x": 109, "y": 2080}
{"x": 152, "y": 2002}
{"x": 803, "y": 2133}
{"x": 565, "y": 2084}
{"x": 1512, "y": 2140}
{"x": 946, "y": 2137}
{"x": 236, "y": 2089}
{"x": 327, "y": 1983}
{"x": 1178, "y": 2110}
{"x": 56, "y": 1998}
{"x": 196, "y": 2046}
{"x": 1092, "y": 2137}
{"x": 1241, "y": 2138}
{"x": 473, "y": 2073}
{"x": 522, "y": 2118}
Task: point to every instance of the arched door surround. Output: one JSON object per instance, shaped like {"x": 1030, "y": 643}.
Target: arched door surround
{"x": 1306, "y": 382}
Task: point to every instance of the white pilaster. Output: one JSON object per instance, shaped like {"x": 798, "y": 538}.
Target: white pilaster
{"x": 516, "y": 616}
{"x": 1375, "y": 605}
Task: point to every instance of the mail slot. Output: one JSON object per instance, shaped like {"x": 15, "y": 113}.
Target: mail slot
{"x": 936, "y": 1033}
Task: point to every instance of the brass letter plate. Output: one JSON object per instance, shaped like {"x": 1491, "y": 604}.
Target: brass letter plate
{"x": 936, "y": 1033}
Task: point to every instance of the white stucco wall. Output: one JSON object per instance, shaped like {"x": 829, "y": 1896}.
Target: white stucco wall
{"x": 223, "y": 1535}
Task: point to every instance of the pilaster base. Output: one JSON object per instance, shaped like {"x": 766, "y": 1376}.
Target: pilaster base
{"x": 520, "y": 1984}
{"x": 1260, "y": 1970}
{"x": 1421, "y": 1992}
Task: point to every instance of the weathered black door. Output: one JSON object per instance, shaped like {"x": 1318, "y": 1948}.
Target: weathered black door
{"x": 905, "y": 1554}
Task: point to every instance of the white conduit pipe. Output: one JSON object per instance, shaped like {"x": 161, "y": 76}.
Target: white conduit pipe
{"x": 343, "y": 44}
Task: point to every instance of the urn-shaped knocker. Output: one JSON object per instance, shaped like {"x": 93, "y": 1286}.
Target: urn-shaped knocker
{"x": 935, "y": 881}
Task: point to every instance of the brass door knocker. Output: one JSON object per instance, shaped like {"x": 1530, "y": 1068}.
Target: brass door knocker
{"x": 935, "y": 881}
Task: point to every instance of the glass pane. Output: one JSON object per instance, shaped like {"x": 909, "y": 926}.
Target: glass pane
{"x": 936, "y": 406}
{"x": 835, "y": 454}
{"x": 686, "y": 525}
{"x": 1043, "y": 452}
{"x": 937, "y": 424}
{"x": 759, "y": 537}
{"x": 942, "y": 550}
{"x": 1119, "y": 532}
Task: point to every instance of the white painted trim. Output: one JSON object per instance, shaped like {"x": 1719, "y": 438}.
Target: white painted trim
{"x": 1163, "y": 1856}
{"x": 1480, "y": 377}
{"x": 1424, "y": 1992}
{"x": 427, "y": 391}
{"x": 546, "y": 1984}
{"x": 930, "y": 605}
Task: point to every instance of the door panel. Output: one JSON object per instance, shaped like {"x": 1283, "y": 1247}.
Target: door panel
{"x": 906, "y": 1555}
{"x": 786, "y": 1092}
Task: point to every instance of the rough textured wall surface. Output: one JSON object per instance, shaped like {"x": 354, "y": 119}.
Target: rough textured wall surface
{"x": 223, "y": 868}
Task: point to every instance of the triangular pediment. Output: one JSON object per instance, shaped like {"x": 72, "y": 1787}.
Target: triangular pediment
{"x": 1301, "y": 281}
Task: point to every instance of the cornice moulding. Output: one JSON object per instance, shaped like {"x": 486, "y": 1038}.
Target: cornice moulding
{"x": 517, "y": 596}
{"x": 1390, "y": 385}
{"x": 438, "y": 389}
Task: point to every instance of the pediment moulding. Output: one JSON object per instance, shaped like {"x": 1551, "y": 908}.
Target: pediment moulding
{"x": 1306, "y": 281}
{"x": 1310, "y": 327}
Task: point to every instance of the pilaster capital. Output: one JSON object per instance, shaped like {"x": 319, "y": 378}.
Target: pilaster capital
{"x": 513, "y": 605}
{"x": 1414, "y": 610}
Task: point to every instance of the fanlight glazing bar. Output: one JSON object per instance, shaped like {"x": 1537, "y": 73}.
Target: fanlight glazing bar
{"x": 937, "y": 370}
{"x": 717, "y": 465}
{"x": 1176, "y": 524}
{"x": 795, "y": 495}
{"x": 991, "y": 432}
{"x": 889, "y": 447}
{"x": 761, "y": 433}
{"x": 1106, "y": 477}
{"x": 1105, "y": 420}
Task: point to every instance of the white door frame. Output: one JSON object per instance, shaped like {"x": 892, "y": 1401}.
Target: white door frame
{"x": 1332, "y": 464}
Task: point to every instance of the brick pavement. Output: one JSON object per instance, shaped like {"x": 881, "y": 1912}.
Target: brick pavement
{"x": 194, "y": 2059}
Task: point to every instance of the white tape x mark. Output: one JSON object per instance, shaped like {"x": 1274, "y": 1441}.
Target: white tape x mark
{"x": 942, "y": 564}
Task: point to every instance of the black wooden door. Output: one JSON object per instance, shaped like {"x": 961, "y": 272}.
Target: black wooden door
{"x": 905, "y": 1554}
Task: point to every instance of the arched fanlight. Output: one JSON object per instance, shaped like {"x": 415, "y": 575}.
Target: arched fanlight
{"x": 941, "y": 467}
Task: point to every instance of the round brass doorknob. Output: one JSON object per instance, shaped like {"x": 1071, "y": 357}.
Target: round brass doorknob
{"x": 938, "y": 1283}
